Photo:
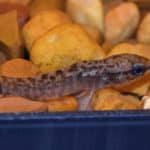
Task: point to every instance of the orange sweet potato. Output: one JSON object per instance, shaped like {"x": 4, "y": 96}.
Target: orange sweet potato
{"x": 24, "y": 2}
{"x": 42, "y": 23}
{"x": 68, "y": 103}
{"x": 87, "y": 12}
{"x": 109, "y": 99}
{"x": 19, "y": 68}
{"x": 22, "y": 10}
{"x": 143, "y": 34}
{"x": 94, "y": 33}
{"x": 63, "y": 46}
{"x": 37, "y": 6}
{"x": 10, "y": 33}
{"x": 19, "y": 104}
{"x": 121, "y": 22}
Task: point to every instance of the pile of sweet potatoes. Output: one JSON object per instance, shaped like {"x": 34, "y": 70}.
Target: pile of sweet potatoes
{"x": 39, "y": 36}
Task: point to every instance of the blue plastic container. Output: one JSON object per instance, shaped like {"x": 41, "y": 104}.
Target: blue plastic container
{"x": 118, "y": 130}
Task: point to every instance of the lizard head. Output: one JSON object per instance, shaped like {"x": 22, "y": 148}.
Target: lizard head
{"x": 126, "y": 67}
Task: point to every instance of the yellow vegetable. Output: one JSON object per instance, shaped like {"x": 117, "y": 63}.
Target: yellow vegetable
{"x": 87, "y": 12}
{"x": 109, "y": 99}
{"x": 10, "y": 33}
{"x": 63, "y": 46}
{"x": 144, "y": 30}
{"x": 37, "y": 6}
{"x": 41, "y": 23}
{"x": 94, "y": 33}
{"x": 24, "y": 2}
{"x": 121, "y": 22}
{"x": 138, "y": 49}
{"x": 107, "y": 46}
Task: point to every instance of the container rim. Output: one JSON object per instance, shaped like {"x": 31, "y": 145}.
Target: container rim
{"x": 121, "y": 114}
{"x": 46, "y": 120}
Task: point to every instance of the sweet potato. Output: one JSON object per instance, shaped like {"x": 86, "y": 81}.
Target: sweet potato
{"x": 85, "y": 12}
{"x": 94, "y": 33}
{"x": 37, "y": 6}
{"x": 143, "y": 34}
{"x": 16, "y": 104}
{"x": 10, "y": 33}
{"x": 109, "y": 99}
{"x": 121, "y": 22}
{"x": 23, "y": 2}
{"x": 107, "y": 46}
{"x": 64, "y": 46}
{"x": 19, "y": 68}
{"x": 22, "y": 11}
{"x": 63, "y": 104}
{"x": 138, "y": 49}
{"x": 41, "y": 23}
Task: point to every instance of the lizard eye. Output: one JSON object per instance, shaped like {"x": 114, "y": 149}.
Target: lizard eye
{"x": 138, "y": 69}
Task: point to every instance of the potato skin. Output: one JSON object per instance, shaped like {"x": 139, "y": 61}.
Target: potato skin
{"x": 64, "y": 46}
{"x": 41, "y": 23}
{"x": 121, "y": 22}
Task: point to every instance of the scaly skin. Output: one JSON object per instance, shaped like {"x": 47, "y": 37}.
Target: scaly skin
{"x": 82, "y": 76}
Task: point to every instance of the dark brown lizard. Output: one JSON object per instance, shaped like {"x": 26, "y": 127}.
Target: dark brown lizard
{"x": 82, "y": 76}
